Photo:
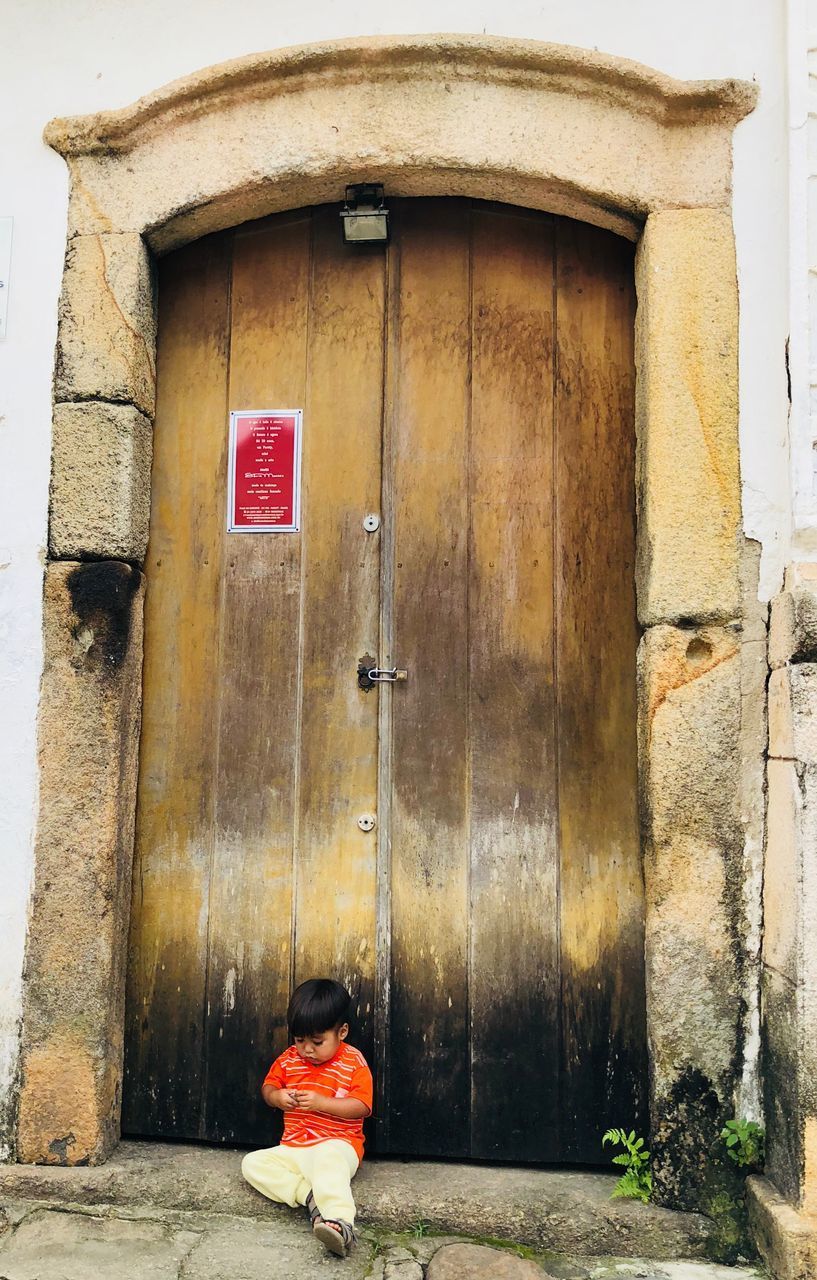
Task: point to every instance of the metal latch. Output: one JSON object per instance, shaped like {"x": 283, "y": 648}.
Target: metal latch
{"x": 369, "y": 674}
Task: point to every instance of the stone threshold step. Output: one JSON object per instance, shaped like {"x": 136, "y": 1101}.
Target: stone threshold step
{"x": 553, "y": 1210}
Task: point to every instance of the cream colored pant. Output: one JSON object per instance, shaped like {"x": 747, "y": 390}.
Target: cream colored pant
{"x": 288, "y": 1174}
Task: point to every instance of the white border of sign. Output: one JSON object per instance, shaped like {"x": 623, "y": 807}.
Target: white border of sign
{"x": 295, "y": 527}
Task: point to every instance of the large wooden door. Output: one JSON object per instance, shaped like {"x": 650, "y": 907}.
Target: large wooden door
{"x": 473, "y": 386}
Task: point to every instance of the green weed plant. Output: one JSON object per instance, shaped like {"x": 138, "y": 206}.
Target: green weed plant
{"x": 636, "y": 1181}
{"x": 420, "y": 1228}
{"x": 745, "y": 1142}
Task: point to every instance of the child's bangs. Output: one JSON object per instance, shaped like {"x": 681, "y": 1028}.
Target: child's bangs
{"x": 317, "y": 1006}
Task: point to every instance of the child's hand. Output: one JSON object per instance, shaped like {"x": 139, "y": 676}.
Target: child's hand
{"x": 282, "y": 1098}
{"x": 306, "y": 1101}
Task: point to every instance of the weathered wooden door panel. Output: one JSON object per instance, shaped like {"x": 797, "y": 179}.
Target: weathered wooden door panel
{"x": 334, "y": 919}
{"x": 171, "y": 888}
{"x": 601, "y": 893}
{"x": 291, "y": 757}
{"x": 428, "y": 1102}
{"x": 474, "y": 385}
{"x": 514, "y": 983}
{"x": 256, "y": 633}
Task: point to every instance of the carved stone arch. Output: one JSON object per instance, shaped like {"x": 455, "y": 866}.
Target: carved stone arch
{"x": 580, "y": 134}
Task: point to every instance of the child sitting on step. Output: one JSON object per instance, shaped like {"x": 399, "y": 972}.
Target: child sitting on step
{"x": 324, "y": 1088}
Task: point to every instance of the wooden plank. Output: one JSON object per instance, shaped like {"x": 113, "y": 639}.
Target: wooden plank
{"x": 166, "y": 969}
{"x": 602, "y": 908}
{"x": 385, "y": 708}
{"x": 429, "y": 1093}
{"x": 336, "y": 860}
{"x": 514, "y": 978}
{"x": 250, "y": 933}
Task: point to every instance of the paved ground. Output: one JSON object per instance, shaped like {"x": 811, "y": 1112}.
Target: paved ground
{"x": 162, "y": 1212}
{"x": 101, "y": 1243}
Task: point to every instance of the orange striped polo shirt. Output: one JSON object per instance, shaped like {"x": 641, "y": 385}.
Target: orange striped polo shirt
{"x": 346, "y": 1075}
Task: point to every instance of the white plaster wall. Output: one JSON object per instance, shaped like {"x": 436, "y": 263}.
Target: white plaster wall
{"x": 63, "y": 58}
{"x": 802, "y": 95}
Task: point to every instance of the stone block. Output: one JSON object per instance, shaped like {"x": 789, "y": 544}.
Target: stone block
{"x": 690, "y": 718}
{"x": 687, "y": 418}
{"x": 690, "y": 726}
{"x": 276, "y": 1248}
{"x": 545, "y": 126}
{"x": 790, "y": 976}
{"x": 793, "y": 713}
{"x": 80, "y": 1246}
{"x": 782, "y": 881}
{"x": 75, "y": 963}
{"x": 793, "y": 626}
{"x": 754, "y": 743}
{"x": 401, "y": 1268}
{"x": 478, "y": 1262}
{"x": 781, "y": 1081}
{"x": 754, "y": 612}
{"x": 809, "y": 1197}
{"x": 790, "y": 893}
{"x": 100, "y": 482}
{"x": 786, "y": 1239}
{"x": 106, "y": 341}
{"x": 550, "y": 1210}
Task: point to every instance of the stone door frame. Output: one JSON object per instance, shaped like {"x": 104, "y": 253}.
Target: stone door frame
{"x": 575, "y": 133}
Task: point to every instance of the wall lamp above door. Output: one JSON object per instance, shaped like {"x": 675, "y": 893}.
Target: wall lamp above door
{"x": 364, "y": 216}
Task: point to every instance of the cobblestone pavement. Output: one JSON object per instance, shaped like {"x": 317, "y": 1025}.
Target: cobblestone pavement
{"x": 41, "y": 1241}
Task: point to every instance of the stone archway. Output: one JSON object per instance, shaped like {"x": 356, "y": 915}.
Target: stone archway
{"x": 592, "y": 137}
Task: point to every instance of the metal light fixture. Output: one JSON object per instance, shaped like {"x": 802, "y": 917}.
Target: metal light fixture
{"x": 364, "y": 216}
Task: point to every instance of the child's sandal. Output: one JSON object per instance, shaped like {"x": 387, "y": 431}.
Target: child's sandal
{"x": 338, "y": 1236}
{"x": 312, "y": 1210}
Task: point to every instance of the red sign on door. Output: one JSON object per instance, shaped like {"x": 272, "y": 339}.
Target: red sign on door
{"x": 264, "y": 474}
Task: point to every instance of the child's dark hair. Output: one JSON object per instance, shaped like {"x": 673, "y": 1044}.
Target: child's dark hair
{"x": 317, "y": 1005}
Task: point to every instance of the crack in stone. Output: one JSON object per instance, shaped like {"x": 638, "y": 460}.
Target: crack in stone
{"x": 80, "y": 187}
{"x": 99, "y": 399}
{"x": 700, "y": 671}
{"x": 194, "y": 1245}
{"x": 140, "y": 337}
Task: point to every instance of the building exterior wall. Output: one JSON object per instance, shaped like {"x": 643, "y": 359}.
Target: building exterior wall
{"x": 783, "y": 1206}
{"x": 802, "y": 181}
{"x": 104, "y": 57}
{"x": 553, "y": 128}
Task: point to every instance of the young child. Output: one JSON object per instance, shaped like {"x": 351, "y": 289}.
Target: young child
{"x": 324, "y": 1088}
